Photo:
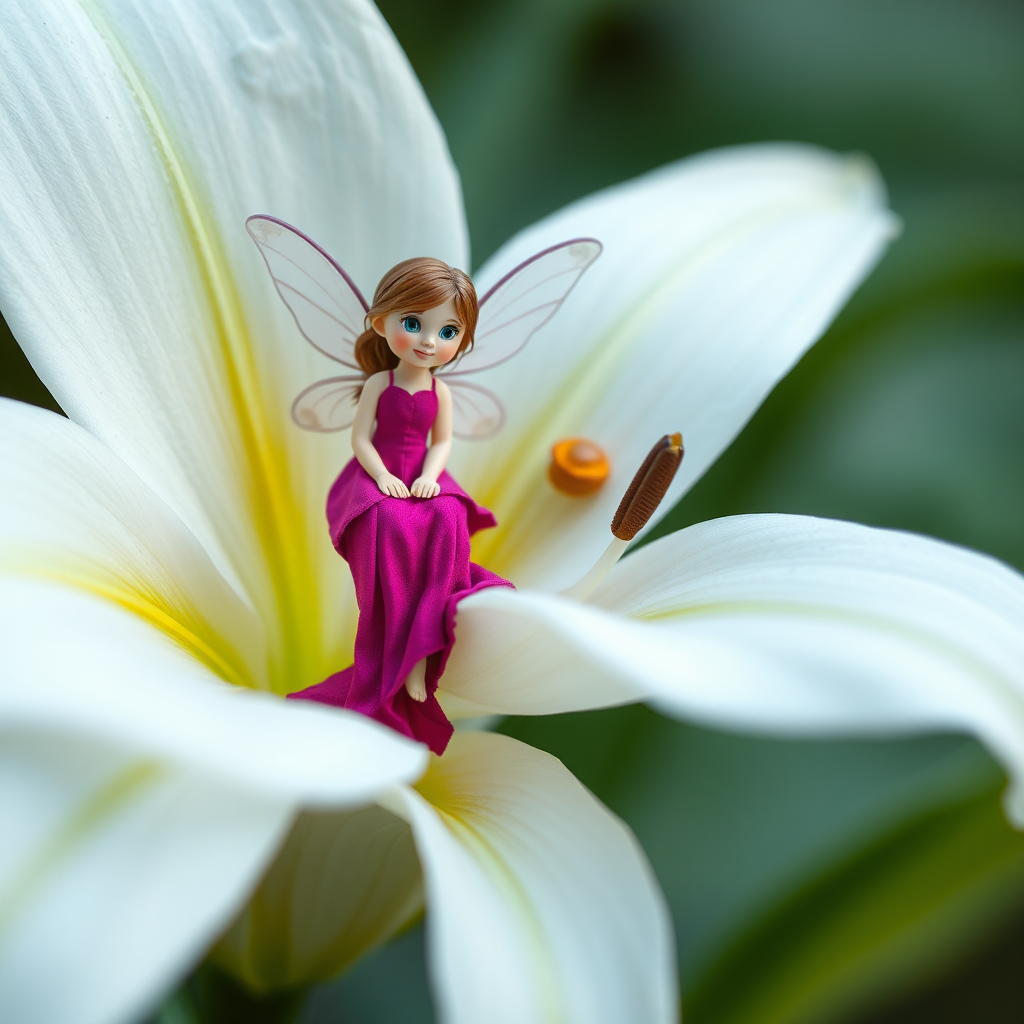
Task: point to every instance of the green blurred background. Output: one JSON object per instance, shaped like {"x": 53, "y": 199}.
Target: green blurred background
{"x": 853, "y": 882}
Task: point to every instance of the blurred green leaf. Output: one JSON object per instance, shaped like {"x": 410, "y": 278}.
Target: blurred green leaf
{"x": 892, "y": 912}
{"x": 732, "y": 823}
{"x": 177, "y": 1010}
{"x": 210, "y": 996}
{"x": 386, "y": 987}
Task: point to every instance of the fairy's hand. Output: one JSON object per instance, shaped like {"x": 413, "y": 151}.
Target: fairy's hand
{"x": 424, "y": 487}
{"x": 392, "y": 485}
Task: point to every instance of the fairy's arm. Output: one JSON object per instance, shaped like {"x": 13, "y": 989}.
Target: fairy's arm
{"x": 362, "y": 448}
{"x": 426, "y": 485}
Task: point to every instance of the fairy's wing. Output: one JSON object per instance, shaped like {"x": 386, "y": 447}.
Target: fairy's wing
{"x": 477, "y": 413}
{"x": 327, "y": 405}
{"x": 327, "y": 306}
{"x": 523, "y": 301}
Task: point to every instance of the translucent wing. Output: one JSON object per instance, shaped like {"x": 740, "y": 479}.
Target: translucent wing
{"x": 327, "y": 405}
{"x": 327, "y": 306}
{"x": 525, "y": 299}
{"x": 330, "y": 405}
{"x": 477, "y": 413}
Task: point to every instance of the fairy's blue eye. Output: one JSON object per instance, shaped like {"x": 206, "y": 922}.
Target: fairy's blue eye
{"x": 449, "y": 332}
{"x": 412, "y": 324}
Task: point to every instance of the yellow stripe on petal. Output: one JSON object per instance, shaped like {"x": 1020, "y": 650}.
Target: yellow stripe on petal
{"x": 79, "y": 517}
{"x": 182, "y": 625}
{"x": 271, "y": 501}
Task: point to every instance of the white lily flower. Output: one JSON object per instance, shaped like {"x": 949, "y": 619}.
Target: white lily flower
{"x": 165, "y": 572}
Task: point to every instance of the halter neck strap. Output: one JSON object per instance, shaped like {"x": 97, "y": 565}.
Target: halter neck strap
{"x": 433, "y": 383}
{"x": 391, "y": 377}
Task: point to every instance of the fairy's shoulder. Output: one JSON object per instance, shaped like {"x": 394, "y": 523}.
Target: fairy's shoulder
{"x": 377, "y": 382}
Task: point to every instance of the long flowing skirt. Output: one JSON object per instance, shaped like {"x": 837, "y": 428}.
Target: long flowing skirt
{"x": 410, "y": 563}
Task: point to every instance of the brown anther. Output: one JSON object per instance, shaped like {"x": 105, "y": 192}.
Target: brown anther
{"x": 578, "y": 466}
{"x": 649, "y": 485}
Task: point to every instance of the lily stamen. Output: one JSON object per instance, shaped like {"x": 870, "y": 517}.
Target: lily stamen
{"x": 648, "y": 487}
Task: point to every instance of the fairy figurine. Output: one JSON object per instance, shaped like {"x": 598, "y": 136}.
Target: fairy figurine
{"x": 395, "y": 514}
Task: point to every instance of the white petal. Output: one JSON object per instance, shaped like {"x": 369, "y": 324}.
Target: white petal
{"x": 779, "y": 624}
{"x": 135, "y": 138}
{"x": 718, "y": 272}
{"x": 115, "y": 874}
{"x": 74, "y": 662}
{"x": 527, "y": 652}
{"x": 540, "y": 904}
{"x": 74, "y": 513}
{"x": 342, "y": 883}
{"x": 115, "y": 622}
{"x": 141, "y": 794}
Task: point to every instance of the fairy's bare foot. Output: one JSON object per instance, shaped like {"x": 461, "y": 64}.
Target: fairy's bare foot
{"x": 416, "y": 684}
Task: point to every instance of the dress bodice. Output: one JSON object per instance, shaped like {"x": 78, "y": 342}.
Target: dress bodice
{"x": 404, "y": 422}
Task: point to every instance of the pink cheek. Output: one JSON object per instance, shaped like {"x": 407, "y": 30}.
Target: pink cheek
{"x": 401, "y": 342}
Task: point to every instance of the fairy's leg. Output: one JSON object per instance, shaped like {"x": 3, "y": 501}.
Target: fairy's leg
{"x": 416, "y": 683}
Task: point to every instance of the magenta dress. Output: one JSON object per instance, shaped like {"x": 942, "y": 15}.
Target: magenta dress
{"x": 410, "y": 562}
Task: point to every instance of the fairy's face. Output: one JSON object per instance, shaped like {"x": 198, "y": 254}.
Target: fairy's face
{"x": 429, "y": 337}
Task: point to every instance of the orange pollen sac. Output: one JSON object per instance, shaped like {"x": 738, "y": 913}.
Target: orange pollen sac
{"x": 578, "y": 466}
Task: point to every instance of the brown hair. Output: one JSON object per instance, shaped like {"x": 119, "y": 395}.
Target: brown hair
{"x": 417, "y": 284}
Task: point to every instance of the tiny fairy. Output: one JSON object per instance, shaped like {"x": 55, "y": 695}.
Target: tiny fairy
{"x": 395, "y": 514}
